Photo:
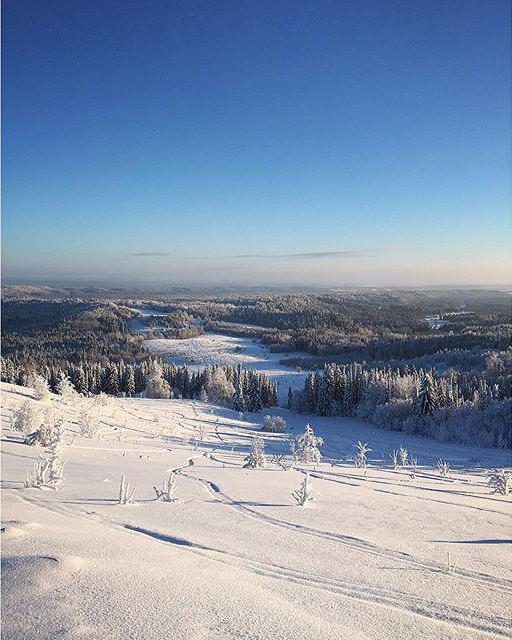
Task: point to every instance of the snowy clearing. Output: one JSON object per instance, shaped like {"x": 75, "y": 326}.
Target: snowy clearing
{"x": 214, "y": 348}
{"x": 235, "y": 556}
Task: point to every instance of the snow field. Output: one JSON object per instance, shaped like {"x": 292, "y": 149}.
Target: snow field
{"x": 235, "y": 556}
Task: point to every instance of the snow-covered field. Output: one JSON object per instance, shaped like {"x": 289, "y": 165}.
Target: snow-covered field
{"x": 236, "y": 557}
{"x": 215, "y": 348}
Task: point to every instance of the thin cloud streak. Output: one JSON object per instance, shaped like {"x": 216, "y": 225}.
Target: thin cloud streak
{"x": 313, "y": 255}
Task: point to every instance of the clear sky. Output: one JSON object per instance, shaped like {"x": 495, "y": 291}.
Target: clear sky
{"x": 255, "y": 142}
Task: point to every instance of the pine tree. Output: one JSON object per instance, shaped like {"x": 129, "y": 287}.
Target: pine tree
{"x": 289, "y": 403}
{"x": 426, "y": 400}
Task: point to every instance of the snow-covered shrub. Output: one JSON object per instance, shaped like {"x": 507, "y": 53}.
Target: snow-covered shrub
{"x": 403, "y": 455}
{"x": 443, "y": 466}
{"x": 281, "y": 461}
{"x": 303, "y": 494}
{"x": 40, "y": 386}
{"x": 156, "y": 386}
{"x": 306, "y": 446}
{"x": 256, "y": 458}
{"x": 26, "y": 418}
{"x": 51, "y": 425}
{"x": 392, "y": 415}
{"x": 48, "y": 472}
{"x": 274, "y": 424}
{"x": 36, "y": 477}
{"x": 103, "y": 400}
{"x": 500, "y": 481}
{"x": 361, "y": 461}
{"x": 168, "y": 491}
{"x": 414, "y": 468}
{"x": 88, "y": 423}
{"x": 126, "y": 493}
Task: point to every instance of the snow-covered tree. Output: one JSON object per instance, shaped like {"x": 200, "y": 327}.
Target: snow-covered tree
{"x": 156, "y": 386}
{"x": 304, "y": 494}
{"x": 306, "y": 446}
{"x": 40, "y": 386}
{"x": 274, "y": 424}
{"x": 218, "y": 388}
{"x": 88, "y": 423}
{"x": 66, "y": 389}
{"x": 49, "y": 427}
{"x": 26, "y": 418}
{"x": 256, "y": 458}
{"x": 361, "y": 460}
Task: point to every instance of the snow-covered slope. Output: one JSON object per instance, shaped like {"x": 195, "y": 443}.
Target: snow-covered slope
{"x": 236, "y": 557}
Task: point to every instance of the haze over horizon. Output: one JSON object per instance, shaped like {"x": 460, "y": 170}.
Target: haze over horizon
{"x": 255, "y": 144}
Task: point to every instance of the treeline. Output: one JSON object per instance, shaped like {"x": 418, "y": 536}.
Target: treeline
{"x": 243, "y": 389}
{"x": 463, "y": 407}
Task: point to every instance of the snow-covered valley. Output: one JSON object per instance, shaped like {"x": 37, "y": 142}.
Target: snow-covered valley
{"x": 377, "y": 554}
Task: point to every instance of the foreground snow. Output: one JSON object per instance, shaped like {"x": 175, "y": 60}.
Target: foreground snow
{"x": 236, "y": 557}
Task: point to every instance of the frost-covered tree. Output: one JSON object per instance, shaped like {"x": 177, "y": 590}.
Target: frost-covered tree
{"x": 48, "y": 472}
{"x": 304, "y": 494}
{"x": 218, "y": 388}
{"x": 66, "y": 389}
{"x": 306, "y": 446}
{"x": 256, "y": 458}
{"x": 40, "y": 386}
{"x": 274, "y": 424}
{"x": 361, "y": 460}
{"x": 49, "y": 427}
{"x": 26, "y": 418}
{"x": 88, "y": 423}
{"x": 156, "y": 386}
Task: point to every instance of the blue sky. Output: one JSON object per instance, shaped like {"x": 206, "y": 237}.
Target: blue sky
{"x": 372, "y": 136}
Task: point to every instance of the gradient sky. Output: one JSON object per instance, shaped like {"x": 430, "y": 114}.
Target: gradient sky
{"x": 243, "y": 142}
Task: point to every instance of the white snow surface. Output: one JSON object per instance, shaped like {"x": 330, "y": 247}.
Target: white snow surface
{"x": 235, "y": 556}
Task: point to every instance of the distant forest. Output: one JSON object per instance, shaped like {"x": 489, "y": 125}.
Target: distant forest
{"x": 379, "y": 344}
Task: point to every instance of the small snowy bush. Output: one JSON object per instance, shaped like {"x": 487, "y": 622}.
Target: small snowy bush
{"x": 303, "y": 494}
{"x": 256, "y": 458}
{"x": 126, "y": 493}
{"x": 26, "y": 419}
{"x": 361, "y": 461}
{"x": 168, "y": 491}
{"x": 274, "y": 424}
{"x": 88, "y": 424}
{"x": 443, "y": 466}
